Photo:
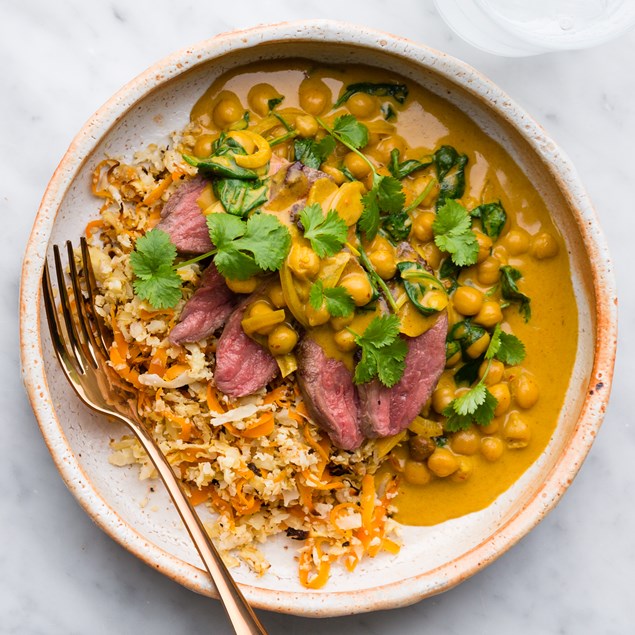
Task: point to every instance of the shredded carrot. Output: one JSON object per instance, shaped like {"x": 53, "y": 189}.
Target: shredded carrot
{"x": 314, "y": 444}
{"x": 198, "y": 496}
{"x": 312, "y": 575}
{"x": 212, "y": 400}
{"x": 158, "y": 362}
{"x": 98, "y": 177}
{"x": 341, "y": 511}
{"x": 263, "y": 427}
{"x": 390, "y": 546}
{"x": 186, "y": 426}
{"x": 158, "y": 191}
{"x": 277, "y": 396}
{"x": 93, "y": 226}
{"x": 174, "y": 371}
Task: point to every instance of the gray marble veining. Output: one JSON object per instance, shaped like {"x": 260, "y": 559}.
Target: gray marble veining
{"x": 59, "y": 574}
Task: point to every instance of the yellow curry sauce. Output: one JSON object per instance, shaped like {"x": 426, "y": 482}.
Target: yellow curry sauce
{"x": 492, "y": 458}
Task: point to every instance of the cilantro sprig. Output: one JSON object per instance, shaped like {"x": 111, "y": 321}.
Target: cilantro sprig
{"x": 453, "y": 233}
{"x": 242, "y": 249}
{"x": 338, "y": 301}
{"x": 383, "y": 352}
{"x": 478, "y": 404}
{"x": 326, "y": 233}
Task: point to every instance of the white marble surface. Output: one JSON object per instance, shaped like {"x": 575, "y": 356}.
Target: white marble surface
{"x": 59, "y": 574}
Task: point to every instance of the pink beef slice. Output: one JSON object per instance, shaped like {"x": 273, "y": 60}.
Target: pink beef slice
{"x": 206, "y": 311}
{"x": 183, "y": 219}
{"x": 330, "y": 396}
{"x": 242, "y": 365}
{"x": 387, "y": 411}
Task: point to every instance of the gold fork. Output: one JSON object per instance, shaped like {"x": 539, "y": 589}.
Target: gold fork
{"x": 81, "y": 343}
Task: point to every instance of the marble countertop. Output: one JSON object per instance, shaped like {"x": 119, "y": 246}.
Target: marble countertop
{"x": 59, "y": 574}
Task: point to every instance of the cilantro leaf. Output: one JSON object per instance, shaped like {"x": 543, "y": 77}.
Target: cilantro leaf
{"x": 350, "y": 131}
{"x": 246, "y": 248}
{"x": 390, "y": 195}
{"x": 370, "y": 218}
{"x": 511, "y": 350}
{"x": 477, "y": 405}
{"x": 386, "y": 195}
{"x": 494, "y": 343}
{"x": 453, "y": 233}
{"x": 383, "y": 352}
{"x": 339, "y": 303}
{"x": 313, "y": 153}
{"x": 510, "y": 290}
{"x": 152, "y": 263}
{"x": 327, "y": 234}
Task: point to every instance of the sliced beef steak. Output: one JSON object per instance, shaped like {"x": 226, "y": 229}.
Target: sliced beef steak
{"x": 242, "y": 365}
{"x": 206, "y": 311}
{"x": 328, "y": 391}
{"x": 183, "y": 219}
{"x": 387, "y": 411}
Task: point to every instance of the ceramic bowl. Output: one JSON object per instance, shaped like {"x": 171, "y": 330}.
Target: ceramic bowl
{"x": 433, "y": 558}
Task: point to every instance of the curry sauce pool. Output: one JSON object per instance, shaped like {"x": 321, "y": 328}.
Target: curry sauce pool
{"x": 351, "y": 217}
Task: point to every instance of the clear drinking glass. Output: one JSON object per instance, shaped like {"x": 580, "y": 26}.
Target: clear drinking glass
{"x": 517, "y": 28}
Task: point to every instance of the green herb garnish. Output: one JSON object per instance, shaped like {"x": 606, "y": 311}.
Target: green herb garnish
{"x": 327, "y": 234}
{"x": 453, "y": 233}
{"x": 338, "y": 301}
{"x": 450, "y": 167}
{"x": 493, "y": 218}
{"x": 405, "y": 168}
{"x": 313, "y": 153}
{"x": 383, "y": 352}
{"x": 240, "y": 197}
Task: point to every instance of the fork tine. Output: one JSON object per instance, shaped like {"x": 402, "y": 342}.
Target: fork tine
{"x": 71, "y": 330}
{"x": 91, "y": 285}
{"x": 55, "y": 327}
{"x": 87, "y": 342}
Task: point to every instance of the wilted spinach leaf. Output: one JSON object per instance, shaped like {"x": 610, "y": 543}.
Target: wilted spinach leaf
{"x": 240, "y": 197}
{"x": 493, "y": 218}
{"x": 450, "y": 167}
{"x": 511, "y": 292}
{"x": 402, "y": 170}
{"x": 399, "y": 92}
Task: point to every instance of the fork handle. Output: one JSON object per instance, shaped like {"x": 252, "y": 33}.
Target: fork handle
{"x": 240, "y": 614}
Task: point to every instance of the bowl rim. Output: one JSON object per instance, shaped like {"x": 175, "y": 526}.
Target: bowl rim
{"x": 322, "y": 603}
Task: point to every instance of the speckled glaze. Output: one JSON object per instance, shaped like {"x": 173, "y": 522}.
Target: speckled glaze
{"x": 433, "y": 559}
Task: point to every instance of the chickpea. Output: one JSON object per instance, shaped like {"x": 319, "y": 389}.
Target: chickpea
{"x": 432, "y": 255}
{"x": 203, "y": 146}
{"x": 306, "y": 126}
{"x": 501, "y": 254}
{"x": 441, "y": 398}
{"x": 453, "y": 360}
{"x": 443, "y": 463}
{"x": 421, "y": 447}
{"x": 525, "y": 390}
{"x": 492, "y": 427}
{"x": 465, "y": 441}
{"x": 303, "y": 261}
{"x": 490, "y": 314}
{"x": 259, "y": 96}
{"x": 484, "y": 246}
{"x": 242, "y": 286}
{"x": 384, "y": 263}
{"x": 492, "y": 448}
{"x": 226, "y": 112}
{"x": 358, "y": 287}
{"x": 503, "y": 397}
{"x": 345, "y": 340}
{"x": 356, "y": 165}
{"x": 496, "y": 372}
{"x": 416, "y": 472}
{"x": 316, "y": 317}
{"x": 315, "y": 96}
{"x": 464, "y": 471}
{"x": 422, "y": 226}
{"x": 282, "y": 340}
{"x": 478, "y": 347}
{"x": 420, "y": 184}
{"x": 543, "y": 246}
{"x": 276, "y": 296}
{"x": 488, "y": 271}
{"x": 338, "y": 323}
{"x": 387, "y": 145}
{"x": 516, "y": 432}
{"x": 517, "y": 242}
{"x": 261, "y": 308}
{"x": 362, "y": 106}
{"x": 467, "y": 300}
{"x": 337, "y": 175}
